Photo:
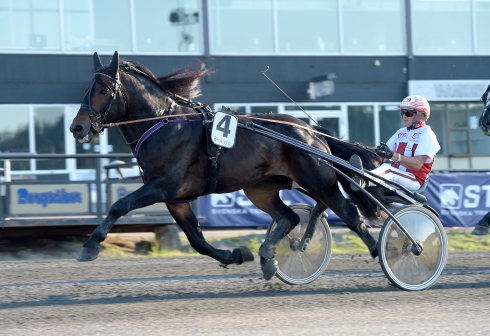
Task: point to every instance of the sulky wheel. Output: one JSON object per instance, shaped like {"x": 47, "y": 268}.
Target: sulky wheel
{"x": 404, "y": 266}
{"x": 297, "y": 267}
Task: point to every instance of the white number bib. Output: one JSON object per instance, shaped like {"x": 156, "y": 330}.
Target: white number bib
{"x": 224, "y": 129}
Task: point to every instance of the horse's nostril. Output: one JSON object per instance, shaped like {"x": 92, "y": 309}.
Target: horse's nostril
{"x": 77, "y": 128}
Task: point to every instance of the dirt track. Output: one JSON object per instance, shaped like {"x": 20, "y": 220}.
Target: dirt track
{"x": 194, "y": 296}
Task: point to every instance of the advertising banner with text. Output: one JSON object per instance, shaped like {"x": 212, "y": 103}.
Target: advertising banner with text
{"x": 48, "y": 199}
{"x": 461, "y": 199}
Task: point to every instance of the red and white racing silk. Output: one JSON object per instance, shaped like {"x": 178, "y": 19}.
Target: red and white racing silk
{"x": 414, "y": 142}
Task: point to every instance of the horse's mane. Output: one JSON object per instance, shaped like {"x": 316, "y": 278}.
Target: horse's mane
{"x": 185, "y": 82}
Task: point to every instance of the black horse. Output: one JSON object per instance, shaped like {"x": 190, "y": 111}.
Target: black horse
{"x": 168, "y": 135}
{"x": 483, "y": 226}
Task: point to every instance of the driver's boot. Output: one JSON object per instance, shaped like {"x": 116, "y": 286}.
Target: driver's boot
{"x": 355, "y": 161}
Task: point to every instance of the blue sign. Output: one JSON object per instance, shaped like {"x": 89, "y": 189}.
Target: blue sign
{"x": 461, "y": 199}
{"x": 236, "y": 210}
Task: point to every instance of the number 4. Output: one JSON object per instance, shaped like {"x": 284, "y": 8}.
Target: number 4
{"x": 224, "y": 125}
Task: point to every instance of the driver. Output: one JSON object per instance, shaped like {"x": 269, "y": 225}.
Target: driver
{"x": 410, "y": 151}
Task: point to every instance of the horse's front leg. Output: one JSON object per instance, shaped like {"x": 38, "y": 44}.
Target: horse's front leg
{"x": 148, "y": 194}
{"x": 483, "y": 226}
{"x": 183, "y": 215}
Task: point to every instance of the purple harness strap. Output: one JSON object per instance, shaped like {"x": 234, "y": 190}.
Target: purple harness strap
{"x": 155, "y": 128}
{"x": 152, "y": 130}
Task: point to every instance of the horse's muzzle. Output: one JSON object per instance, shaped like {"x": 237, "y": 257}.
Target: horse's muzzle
{"x": 80, "y": 133}
{"x": 87, "y": 138}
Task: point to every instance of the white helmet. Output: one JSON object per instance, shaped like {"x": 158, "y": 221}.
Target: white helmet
{"x": 420, "y": 105}
{"x": 417, "y": 103}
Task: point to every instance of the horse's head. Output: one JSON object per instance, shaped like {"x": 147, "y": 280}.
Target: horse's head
{"x": 485, "y": 117}
{"x": 100, "y": 99}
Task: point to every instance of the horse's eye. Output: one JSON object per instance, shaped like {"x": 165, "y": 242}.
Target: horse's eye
{"x": 103, "y": 92}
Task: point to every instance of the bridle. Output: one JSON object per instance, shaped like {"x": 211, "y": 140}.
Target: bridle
{"x": 97, "y": 118}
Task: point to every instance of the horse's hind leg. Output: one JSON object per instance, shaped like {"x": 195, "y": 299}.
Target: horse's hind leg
{"x": 348, "y": 212}
{"x": 268, "y": 200}
{"x": 183, "y": 215}
{"x": 328, "y": 192}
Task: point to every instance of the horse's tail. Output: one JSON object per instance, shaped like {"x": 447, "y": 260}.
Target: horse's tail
{"x": 344, "y": 150}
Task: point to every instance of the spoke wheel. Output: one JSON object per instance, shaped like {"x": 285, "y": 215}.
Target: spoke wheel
{"x": 296, "y": 267}
{"x": 404, "y": 268}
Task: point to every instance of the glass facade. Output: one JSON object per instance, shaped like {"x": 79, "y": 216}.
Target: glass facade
{"x": 384, "y": 31}
{"x": 49, "y": 135}
{"x": 77, "y": 26}
{"x": 14, "y": 133}
{"x": 315, "y": 27}
{"x": 434, "y": 28}
{"x": 30, "y": 25}
{"x": 104, "y": 32}
{"x": 306, "y": 27}
{"x": 167, "y": 26}
{"x": 319, "y": 17}
{"x": 361, "y": 124}
{"x": 241, "y": 26}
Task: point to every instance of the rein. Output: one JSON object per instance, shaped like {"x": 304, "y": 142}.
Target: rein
{"x": 201, "y": 113}
{"x": 243, "y": 116}
{"x": 180, "y": 101}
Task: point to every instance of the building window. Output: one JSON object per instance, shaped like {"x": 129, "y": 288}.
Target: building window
{"x": 49, "y": 133}
{"x": 434, "y": 28}
{"x": 30, "y": 25}
{"x": 168, "y": 26}
{"x": 309, "y": 26}
{"x": 361, "y": 124}
{"x": 319, "y": 18}
{"x": 438, "y": 124}
{"x": 241, "y": 26}
{"x": 97, "y": 25}
{"x": 479, "y": 142}
{"x": 14, "y": 133}
{"x": 373, "y": 26}
{"x": 389, "y": 121}
{"x": 456, "y": 127}
{"x": 482, "y": 25}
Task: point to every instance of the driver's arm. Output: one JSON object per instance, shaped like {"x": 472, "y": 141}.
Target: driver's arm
{"x": 414, "y": 163}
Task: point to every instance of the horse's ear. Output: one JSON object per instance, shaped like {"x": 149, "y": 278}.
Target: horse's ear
{"x": 97, "y": 61}
{"x": 114, "y": 67}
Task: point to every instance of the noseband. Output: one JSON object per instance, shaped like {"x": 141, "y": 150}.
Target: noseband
{"x": 97, "y": 118}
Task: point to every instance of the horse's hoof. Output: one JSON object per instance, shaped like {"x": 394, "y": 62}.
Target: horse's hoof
{"x": 246, "y": 254}
{"x": 269, "y": 267}
{"x": 266, "y": 252}
{"x": 480, "y": 230}
{"x": 88, "y": 254}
